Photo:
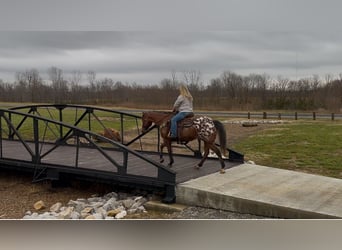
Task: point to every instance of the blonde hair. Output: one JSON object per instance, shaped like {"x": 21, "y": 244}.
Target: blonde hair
{"x": 184, "y": 91}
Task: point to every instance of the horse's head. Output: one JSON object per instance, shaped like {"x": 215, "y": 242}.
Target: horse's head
{"x": 146, "y": 122}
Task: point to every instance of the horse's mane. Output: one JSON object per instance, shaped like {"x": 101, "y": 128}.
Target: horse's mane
{"x": 159, "y": 112}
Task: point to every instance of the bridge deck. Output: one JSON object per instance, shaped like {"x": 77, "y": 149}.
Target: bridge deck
{"x": 89, "y": 159}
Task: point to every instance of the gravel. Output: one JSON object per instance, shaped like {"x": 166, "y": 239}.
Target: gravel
{"x": 199, "y": 213}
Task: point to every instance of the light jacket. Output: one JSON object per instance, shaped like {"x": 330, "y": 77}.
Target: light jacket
{"x": 183, "y": 104}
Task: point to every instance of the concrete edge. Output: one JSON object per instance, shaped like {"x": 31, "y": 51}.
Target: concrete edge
{"x": 195, "y": 197}
{"x": 168, "y": 208}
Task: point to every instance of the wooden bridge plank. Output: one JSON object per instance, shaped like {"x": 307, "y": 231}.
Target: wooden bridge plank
{"x": 90, "y": 158}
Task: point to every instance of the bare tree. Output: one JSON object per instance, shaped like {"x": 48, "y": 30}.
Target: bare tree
{"x": 76, "y": 89}
{"x": 174, "y": 78}
{"x": 92, "y": 91}
{"x": 192, "y": 77}
{"x": 59, "y": 85}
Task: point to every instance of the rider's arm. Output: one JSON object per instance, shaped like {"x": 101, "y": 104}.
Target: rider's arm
{"x": 178, "y": 103}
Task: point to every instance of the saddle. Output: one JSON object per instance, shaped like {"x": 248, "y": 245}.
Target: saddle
{"x": 186, "y": 122}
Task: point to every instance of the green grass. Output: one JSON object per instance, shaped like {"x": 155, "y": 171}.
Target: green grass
{"x": 313, "y": 147}
{"x": 50, "y": 131}
{"x": 308, "y": 146}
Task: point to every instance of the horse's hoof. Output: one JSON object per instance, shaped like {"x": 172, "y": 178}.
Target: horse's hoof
{"x": 222, "y": 171}
{"x": 169, "y": 165}
{"x": 197, "y": 167}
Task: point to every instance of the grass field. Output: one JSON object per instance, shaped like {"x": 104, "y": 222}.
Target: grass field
{"x": 307, "y": 146}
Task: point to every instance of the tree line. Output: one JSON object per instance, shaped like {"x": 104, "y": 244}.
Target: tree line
{"x": 229, "y": 91}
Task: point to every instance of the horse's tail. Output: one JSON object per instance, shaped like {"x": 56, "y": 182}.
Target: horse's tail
{"x": 222, "y": 136}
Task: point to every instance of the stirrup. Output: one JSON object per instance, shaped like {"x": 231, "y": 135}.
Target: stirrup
{"x": 171, "y": 137}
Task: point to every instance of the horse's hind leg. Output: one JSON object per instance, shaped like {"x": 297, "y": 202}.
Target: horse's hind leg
{"x": 204, "y": 157}
{"x": 218, "y": 153}
{"x": 161, "y": 158}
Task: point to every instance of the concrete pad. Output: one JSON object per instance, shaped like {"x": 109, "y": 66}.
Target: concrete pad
{"x": 265, "y": 191}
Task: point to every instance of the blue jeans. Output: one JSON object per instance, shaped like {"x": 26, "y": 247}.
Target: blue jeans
{"x": 179, "y": 116}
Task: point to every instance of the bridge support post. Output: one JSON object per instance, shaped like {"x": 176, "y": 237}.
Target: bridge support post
{"x": 170, "y": 194}
{"x": 36, "y": 157}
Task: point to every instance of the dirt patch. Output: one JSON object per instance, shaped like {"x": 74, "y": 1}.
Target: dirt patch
{"x": 237, "y": 132}
{"x": 18, "y": 194}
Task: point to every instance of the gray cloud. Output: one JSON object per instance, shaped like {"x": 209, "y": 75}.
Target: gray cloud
{"x": 143, "y": 41}
{"x": 156, "y": 15}
{"x": 150, "y": 56}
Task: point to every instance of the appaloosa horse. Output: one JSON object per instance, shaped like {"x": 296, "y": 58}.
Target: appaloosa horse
{"x": 202, "y": 128}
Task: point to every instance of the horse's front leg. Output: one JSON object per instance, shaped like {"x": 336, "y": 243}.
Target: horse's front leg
{"x": 169, "y": 150}
{"x": 161, "y": 156}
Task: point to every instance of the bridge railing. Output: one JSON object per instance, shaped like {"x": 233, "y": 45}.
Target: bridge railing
{"x": 31, "y": 140}
{"x": 95, "y": 119}
{"x": 98, "y": 119}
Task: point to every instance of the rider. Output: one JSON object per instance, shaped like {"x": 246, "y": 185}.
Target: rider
{"x": 182, "y": 105}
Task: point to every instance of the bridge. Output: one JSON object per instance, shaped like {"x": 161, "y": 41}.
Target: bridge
{"x": 61, "y": 142}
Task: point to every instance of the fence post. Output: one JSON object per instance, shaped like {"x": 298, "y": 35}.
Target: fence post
{"x": 314, "y": 115}
{"x": 296, "y": 116}
{"x": 279, "y": 116}
{"x": 332, "y": 116}
{"x": 249, "y": 115}
{"x": 264, "y": 116}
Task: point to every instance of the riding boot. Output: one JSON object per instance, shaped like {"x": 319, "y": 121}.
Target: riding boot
{"x": 172, "y": 137}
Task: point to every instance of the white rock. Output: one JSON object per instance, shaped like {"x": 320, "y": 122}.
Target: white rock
{"x": 75, "y": 215}
{"x": 111, "y": 195}
{"x": 141, "y": 209}
{"x": 95, "y": 207}
{"x": 66, "y": 214}
{"x": 82, "y": 200}
{"x": 56, "y": 207}
{"x": 128, "y": 203}
{"x": 98, "y": 216}
{"x": 94, "y": 199}
{"x": 131, "y": 211}
{"x": 96, "y": 204}
{"x": 121, "y": 215}
{"x": 101, "y": 211}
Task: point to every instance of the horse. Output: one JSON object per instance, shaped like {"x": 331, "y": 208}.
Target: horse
{"x": 202, "y": 128}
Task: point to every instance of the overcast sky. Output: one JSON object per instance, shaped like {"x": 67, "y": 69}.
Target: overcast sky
{"x": 144, "y": 41}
